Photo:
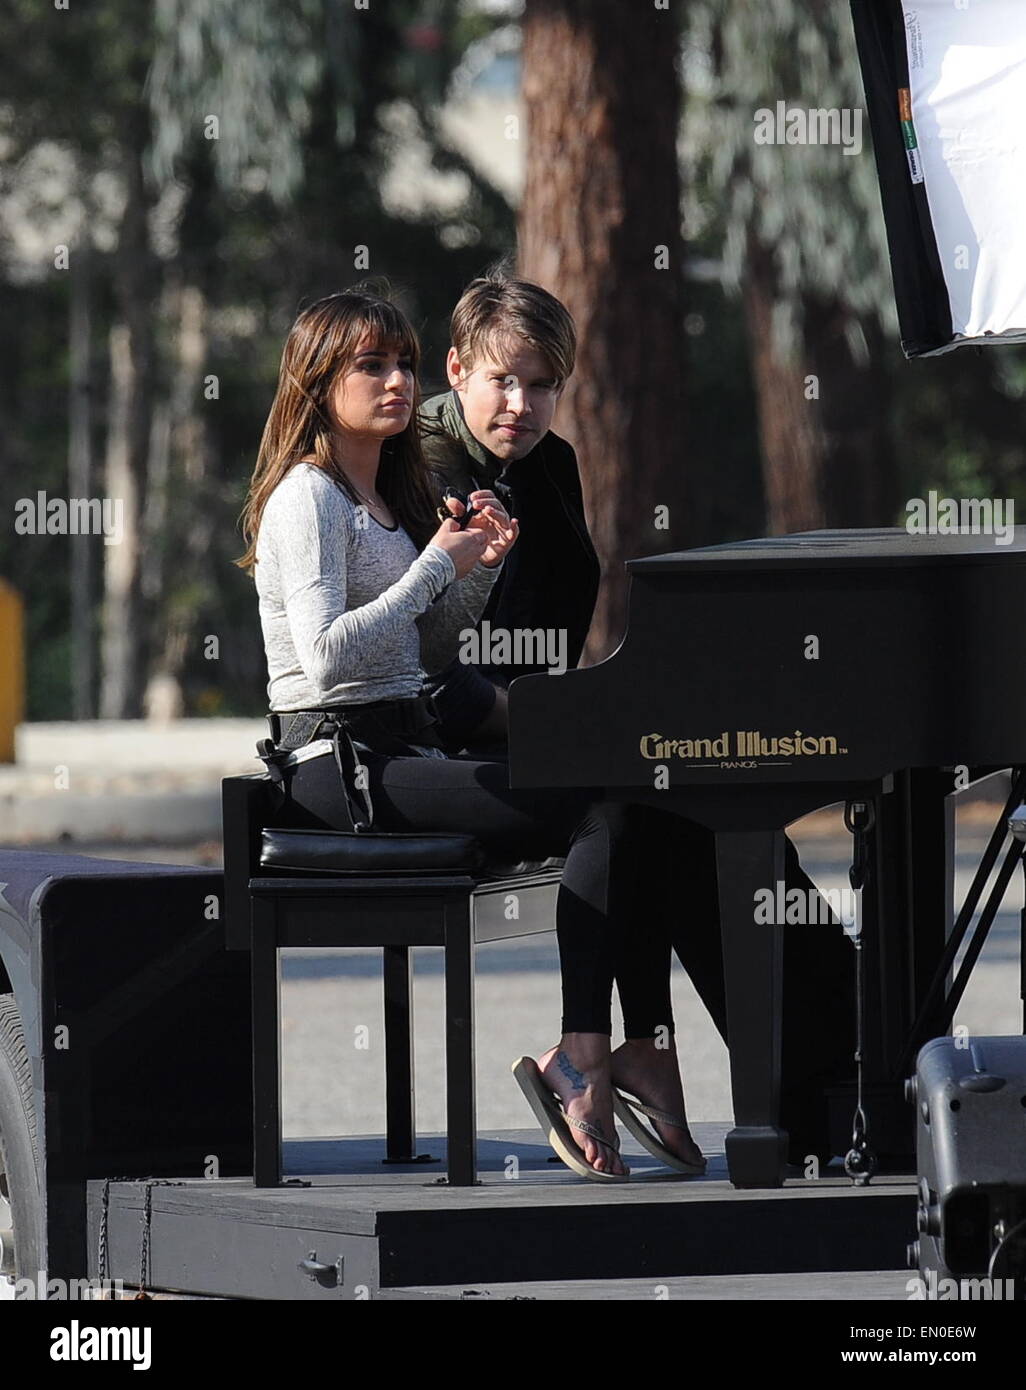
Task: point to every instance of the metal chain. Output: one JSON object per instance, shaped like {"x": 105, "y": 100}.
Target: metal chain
{"x": 103, "y": 1255}
{"x": 860, "y": 1162}
{"x": 103, "y": 1251}
{"x": 144, "y": 1254}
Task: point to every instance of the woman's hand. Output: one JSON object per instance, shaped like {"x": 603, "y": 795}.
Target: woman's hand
{"x": 464, "y": 548}
{"x": 491, "y": 518}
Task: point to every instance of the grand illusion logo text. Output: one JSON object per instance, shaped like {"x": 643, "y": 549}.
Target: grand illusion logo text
{"x": 740, "y": 744}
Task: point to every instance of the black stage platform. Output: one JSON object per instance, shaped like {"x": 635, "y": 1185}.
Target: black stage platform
{"x": 399, "y": 1233}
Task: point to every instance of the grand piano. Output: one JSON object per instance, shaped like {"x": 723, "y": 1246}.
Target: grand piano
{"x": 761, "y": 680}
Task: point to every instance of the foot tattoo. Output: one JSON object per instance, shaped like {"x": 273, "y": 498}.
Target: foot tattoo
{"x": 575, "y": 1077}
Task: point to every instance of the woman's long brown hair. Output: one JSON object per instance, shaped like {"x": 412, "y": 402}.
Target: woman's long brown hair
{"x": 321, "y": 343}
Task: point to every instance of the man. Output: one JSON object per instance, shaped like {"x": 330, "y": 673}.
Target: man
{"x": 513, "y": 348}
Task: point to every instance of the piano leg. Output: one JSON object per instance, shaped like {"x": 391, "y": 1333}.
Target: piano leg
{"x": 747, "y": 862}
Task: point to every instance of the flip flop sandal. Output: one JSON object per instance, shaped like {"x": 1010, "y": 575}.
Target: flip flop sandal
{"x": 627, "y": 1108}
{"x": 557, "y": 1124}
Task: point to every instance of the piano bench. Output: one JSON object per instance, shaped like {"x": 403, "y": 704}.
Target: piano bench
{"x": 332, "y": 888}
{"x": 338, "y": 851}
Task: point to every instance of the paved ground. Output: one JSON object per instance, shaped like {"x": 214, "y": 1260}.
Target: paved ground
{"x": 123, "y": 779}
{"x": 332, "y": 1009}
{"x": 332, "y": 1043}
{"x": 333, "y": 1085}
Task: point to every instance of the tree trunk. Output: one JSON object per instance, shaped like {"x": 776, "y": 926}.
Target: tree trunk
{"x": 600, "y": 227}
{"x": 128, "y": 444}
{"x": 80, "y": 470}
{"x": 826, "y": 453}
{"x": 862, "y": 483}
{"x": 175, "y": 634}
{"x": 121, "y": 688}
{"x": 790, "y": 429}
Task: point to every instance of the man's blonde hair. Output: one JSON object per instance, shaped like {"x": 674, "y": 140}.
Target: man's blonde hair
{"x": 498, "y": 307}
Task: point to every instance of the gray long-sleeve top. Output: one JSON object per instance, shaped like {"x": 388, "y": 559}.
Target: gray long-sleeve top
{"x": 350, "y": 611}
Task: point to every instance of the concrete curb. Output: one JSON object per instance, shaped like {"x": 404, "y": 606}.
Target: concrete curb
{"x": 131, "y": 780}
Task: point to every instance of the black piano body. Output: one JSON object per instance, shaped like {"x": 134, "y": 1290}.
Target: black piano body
{"x": 761, "y": 680}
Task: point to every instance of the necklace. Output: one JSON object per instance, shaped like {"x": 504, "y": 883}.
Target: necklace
{"x": 368, "y": 502}
{"x": 380, "y": 511}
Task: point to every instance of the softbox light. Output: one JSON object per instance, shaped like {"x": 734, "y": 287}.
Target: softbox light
{"x": 945, "y": 88}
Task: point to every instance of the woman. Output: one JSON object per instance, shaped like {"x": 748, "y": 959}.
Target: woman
{"x": 362, "y": 591}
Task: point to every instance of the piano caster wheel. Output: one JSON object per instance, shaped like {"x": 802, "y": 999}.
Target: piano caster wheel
{"x": 860, "y": 1165}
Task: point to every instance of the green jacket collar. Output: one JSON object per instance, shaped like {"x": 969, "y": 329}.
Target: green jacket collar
{"x": 454, "y": 422}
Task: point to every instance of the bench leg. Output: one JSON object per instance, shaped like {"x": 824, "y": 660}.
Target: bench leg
{"x": 461, "y": 1116}
{"x": 400, "y": 1121}
{"x": 266, "y": 987}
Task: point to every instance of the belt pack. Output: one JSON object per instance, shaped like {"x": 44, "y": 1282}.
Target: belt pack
{"x": 397, "y": 728}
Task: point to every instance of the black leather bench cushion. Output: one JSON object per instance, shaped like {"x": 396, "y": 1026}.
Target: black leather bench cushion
{"x": 339, "y": 851}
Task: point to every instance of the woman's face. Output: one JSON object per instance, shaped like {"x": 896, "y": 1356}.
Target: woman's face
{"x": 373, "y": 395}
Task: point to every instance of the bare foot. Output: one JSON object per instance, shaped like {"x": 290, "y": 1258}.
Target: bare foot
{"x": 577, "y": 1069}
{"x": 652, "y": 1075}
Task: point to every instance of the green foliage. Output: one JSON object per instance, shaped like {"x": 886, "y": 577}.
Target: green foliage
{"x": 957, "y": 421}
{"x": 260, "y": 220}
{"x": 959, "y": 429}
{"x": 815, "y": 208}
{"x": 252, "y": 68}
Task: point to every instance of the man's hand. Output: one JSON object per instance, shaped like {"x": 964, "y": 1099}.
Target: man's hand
{"x": 490, "y": 516}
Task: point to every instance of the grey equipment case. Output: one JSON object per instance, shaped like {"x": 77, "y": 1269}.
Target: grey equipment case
{"x": 970, "y": 1098}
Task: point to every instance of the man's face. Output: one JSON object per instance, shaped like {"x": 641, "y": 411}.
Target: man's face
{"x": 509, "y": 396}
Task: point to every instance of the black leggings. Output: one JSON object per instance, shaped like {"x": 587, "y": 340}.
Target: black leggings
{"x": 601, "y": 935}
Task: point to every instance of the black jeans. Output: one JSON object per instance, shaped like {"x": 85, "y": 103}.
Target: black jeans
{"x": 464, "y": 699}
{"x": 601, "y": 935}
